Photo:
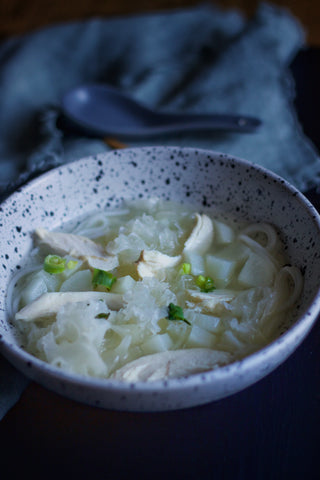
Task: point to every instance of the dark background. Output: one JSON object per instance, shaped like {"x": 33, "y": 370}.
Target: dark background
{"x": 17, "y": 16}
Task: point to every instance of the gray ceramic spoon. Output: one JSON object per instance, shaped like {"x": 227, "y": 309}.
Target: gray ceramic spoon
{"x": 103, "y": 110}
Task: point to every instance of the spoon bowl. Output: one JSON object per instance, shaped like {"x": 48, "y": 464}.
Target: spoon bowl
{"x": 103, "y": 110}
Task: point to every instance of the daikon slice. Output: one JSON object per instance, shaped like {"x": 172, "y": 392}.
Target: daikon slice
{"x": 220, "y": 270}
{"x": 257, "y": 271}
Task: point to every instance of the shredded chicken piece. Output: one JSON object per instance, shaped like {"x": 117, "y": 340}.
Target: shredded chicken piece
{"x": 152, "y": 262}
{"x": 211, "y": 302}
{"x": 50, "y": 303}
{"x": 107, "y": 264}
{"x": 201, "y": 236}
{"x": 77, "y": 246}
{"x": 171, "y": 364}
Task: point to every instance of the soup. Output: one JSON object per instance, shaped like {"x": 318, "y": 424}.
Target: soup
{"x": 152, "y": 290}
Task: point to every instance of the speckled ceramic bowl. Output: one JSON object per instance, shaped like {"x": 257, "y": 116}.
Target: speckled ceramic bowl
{"x": 203, "y": 178}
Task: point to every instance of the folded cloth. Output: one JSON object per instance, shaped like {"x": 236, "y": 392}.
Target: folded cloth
{"x": 200, "y": 59}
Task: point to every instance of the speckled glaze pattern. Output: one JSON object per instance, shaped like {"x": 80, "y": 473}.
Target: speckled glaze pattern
{"x": 206, "y": 179}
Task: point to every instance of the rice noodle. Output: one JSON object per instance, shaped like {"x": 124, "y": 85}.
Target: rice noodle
{"x": 259, "y": 249}
{"x": 14, "y": 292}
{"x": 266, "y": 229}
{"x": 288, "y": 275}
{"x": 96, "y": 224}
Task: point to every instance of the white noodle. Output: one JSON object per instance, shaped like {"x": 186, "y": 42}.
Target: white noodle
{"x": 96, "y": 224}
{"x": 255, "y": 229}
{"x": 14, "y": 292}
{"x": 259, "y": 249}
{"x": 289, "y": 279}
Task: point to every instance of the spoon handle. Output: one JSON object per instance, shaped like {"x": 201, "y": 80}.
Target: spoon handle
{"x": 237, "y": 123}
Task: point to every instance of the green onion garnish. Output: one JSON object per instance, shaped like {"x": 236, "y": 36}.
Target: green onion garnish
{"x": 185, "y": 269}
{"x": 176, "y": 313}
{"x": 103, "y": 315}
{"x": 54, "y": 264}
{"x": 205, "y": 284}
{"x": 102, "y": 278}
{"x": 72, "y": 264}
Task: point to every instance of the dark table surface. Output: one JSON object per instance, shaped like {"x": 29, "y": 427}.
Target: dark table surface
{"x": 271, "y": 430}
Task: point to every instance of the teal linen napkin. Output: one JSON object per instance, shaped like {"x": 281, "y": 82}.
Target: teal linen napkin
{"x": 200, "y": 59}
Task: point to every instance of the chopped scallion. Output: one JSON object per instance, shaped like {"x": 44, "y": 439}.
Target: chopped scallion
{"x": 72, "y": 264}
{"x": 206, "y": 284}
{"x": 54, "y": 264}
{"x": 185, "y": 269}
{"x": 103, "y": 315}
{"x": 103, "y": 278}
{"x": 176, "y": 313}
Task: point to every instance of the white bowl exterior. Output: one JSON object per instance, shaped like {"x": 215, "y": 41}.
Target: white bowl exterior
{"x": 208, "y": 180}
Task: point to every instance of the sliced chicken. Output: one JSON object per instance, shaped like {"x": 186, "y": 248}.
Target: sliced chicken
{"x": 50, "y": 303}
{"x": 68, "y": 243}
{"x": 152, "y": 262}
{"x": 107, "y": 263}
{"x": 171, "y": 364}
{"x": 201, "y": 236}
{"x": 77, "y": 246}
{"x": 212, "y": 302}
